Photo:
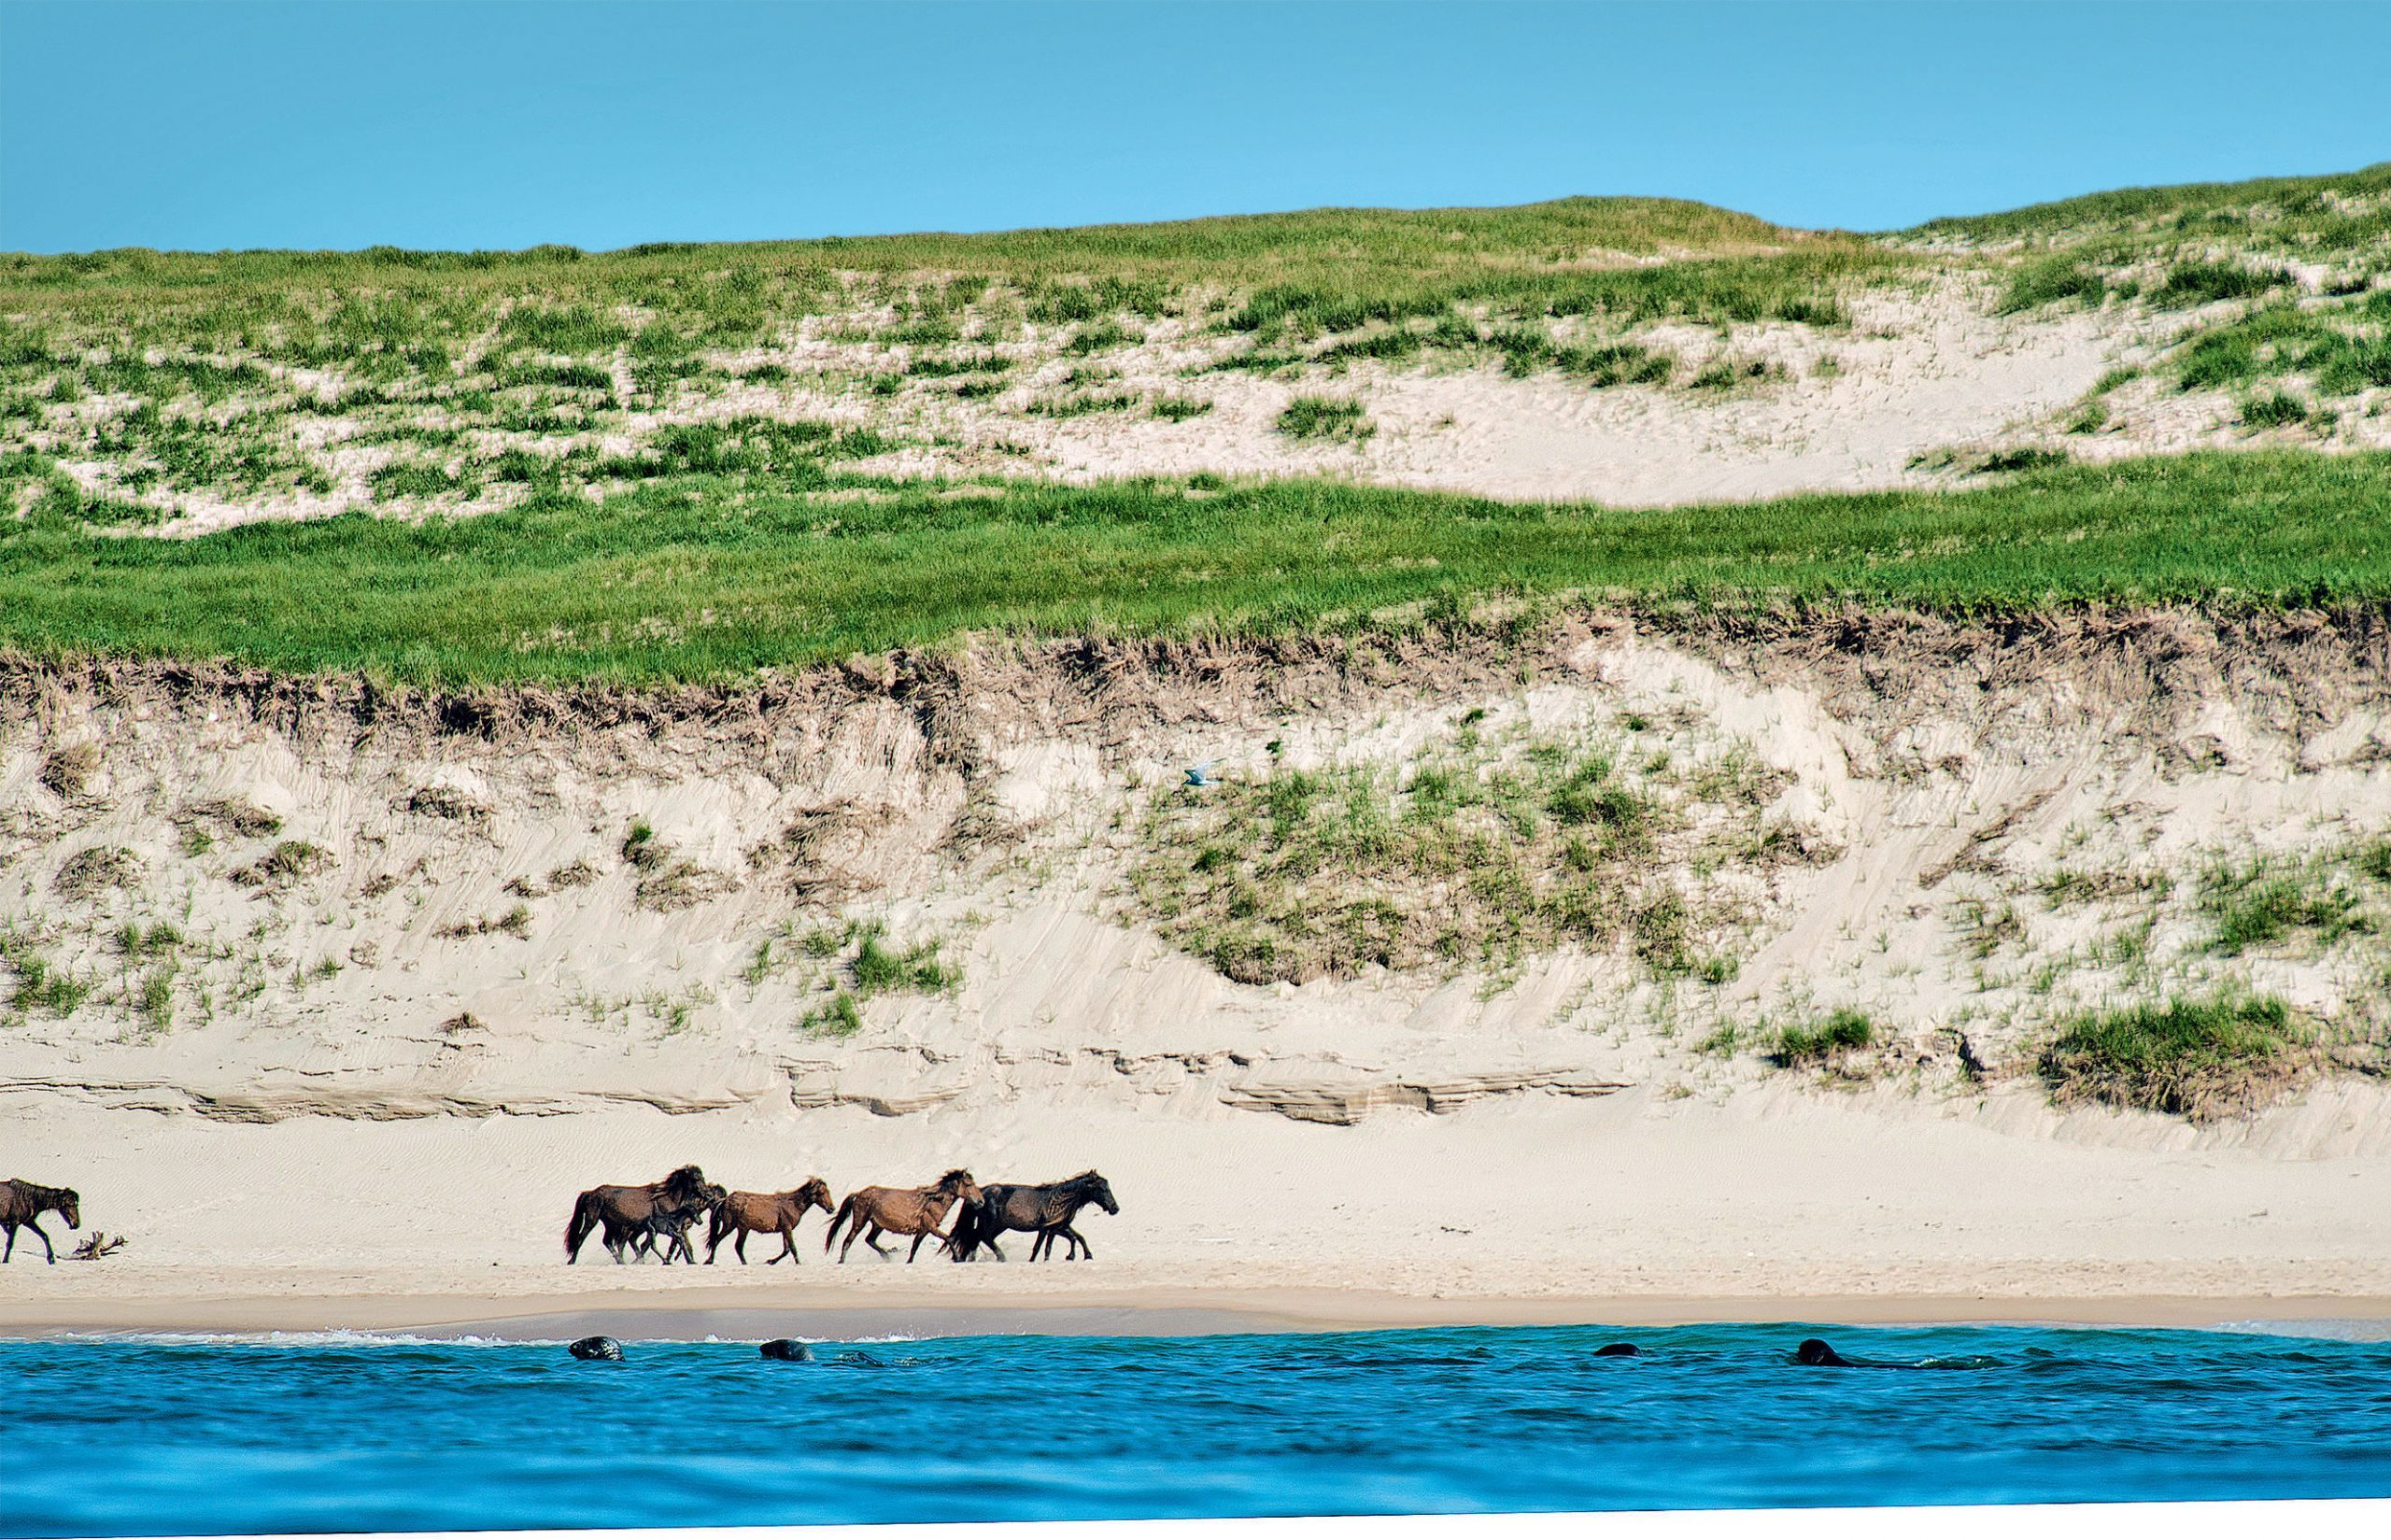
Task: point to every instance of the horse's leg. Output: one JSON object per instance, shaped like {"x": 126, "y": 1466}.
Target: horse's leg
{"x": 788, "y": 1247}
{"x": 12, "y": 1242}
{"x": 35, "y": 1225}
{"x": 1078, "y": 1240}
{"x": 989, "y": 1241}
{"x": 1040, "y": 1247}
{"x": 872, "y": 1241}
{"x": 919, "y": 1236}
{"x": 739, "y": 1246}
{"x": 855, "y": 1228}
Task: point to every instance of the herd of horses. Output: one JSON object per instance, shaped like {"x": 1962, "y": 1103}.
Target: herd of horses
{"x": 637, "y": 1220}
{"x": 633, "y": 1221}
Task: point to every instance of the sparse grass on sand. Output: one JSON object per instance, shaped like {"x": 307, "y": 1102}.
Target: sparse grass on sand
{"x": 2198, "y": 1058}
{"x": 702, "y": 577}
{"x": 1493, "y": 846}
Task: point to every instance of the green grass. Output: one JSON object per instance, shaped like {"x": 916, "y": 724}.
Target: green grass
{"x": 2274, "y": 409}
{"x": 388, "y": 315}
{"x": 2293, "y": 212}
{"x": 1818, "y": 1042}
{"x": 1326, "y": 418}
{"x": 712, "y": 578}
{"x": 2195, "y": 1058}
{"x": 1494, "y": 846}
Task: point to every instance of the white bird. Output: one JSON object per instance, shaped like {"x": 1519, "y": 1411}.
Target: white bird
{"x": 1201, "y": 775}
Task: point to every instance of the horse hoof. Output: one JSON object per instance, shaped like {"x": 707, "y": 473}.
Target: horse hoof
{"x": 787, "y": 1351}
{"x": 1619, "y": 1350}
{"x": 597, "y": 1346}
{"x": 1815, "y": 1352}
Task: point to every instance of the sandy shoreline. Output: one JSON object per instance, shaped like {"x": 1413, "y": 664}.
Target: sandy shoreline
{"x": 755, "y": 1310}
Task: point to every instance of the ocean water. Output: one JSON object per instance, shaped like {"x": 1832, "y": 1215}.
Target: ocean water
{"x": 152, "y": 1436}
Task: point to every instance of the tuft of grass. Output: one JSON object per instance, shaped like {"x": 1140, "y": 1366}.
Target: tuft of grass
{"x": 2205, "y": 282}
{"x": 837, "y": 1017}
{"x": 1179, "y": 408}
{"x": 876, "y": 968}
{"x": 1821, "y": 1042}
{"x": 2275, "y": 409}
{"x": 89, "y": 872}
{"x": 2053, "y": 280}
{"x": 2260, "y": 902}
{"x": 38, "y": 984}
{"x": 2195, "y": 1058}
{"x": 1326, "y": 418}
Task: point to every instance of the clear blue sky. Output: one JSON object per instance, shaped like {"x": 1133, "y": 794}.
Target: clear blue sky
{"x": 208, "y": 125}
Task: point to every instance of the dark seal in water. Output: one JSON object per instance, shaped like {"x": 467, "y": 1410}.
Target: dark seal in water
{"x": 1619, "y": 1350}
{"x": 1814, "y": 1351}
{"x": 597, "y": 1346}
{"x": 788, "y": 1352}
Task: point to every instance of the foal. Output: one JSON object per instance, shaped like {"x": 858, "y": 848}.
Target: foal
{"x": 766, "y": 1213}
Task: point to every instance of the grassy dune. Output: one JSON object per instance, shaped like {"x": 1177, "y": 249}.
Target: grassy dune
{"x": 712, "y": 576}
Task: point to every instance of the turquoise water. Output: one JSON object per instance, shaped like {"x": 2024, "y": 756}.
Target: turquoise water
{"x": 131, "y": 1437}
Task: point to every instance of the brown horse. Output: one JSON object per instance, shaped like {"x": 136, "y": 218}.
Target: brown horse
{"x": 902, "y": 1210}
{"x": 635, "y": 1215}
{"x": 766, "y": 1213}
{"x": 1044, "y": 1211}
{"x": 25, "y": 1202}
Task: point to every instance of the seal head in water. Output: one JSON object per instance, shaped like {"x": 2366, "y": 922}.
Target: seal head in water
{"x": 787, "y": 1351}
{"x": 1815, "y": 1351}
{"x": 1619, "y": 1350}
{"x": 597, "y": 1346}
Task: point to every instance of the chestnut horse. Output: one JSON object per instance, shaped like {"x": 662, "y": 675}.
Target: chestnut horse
{"x": 1046, "y": 1211}
{"x": 766, "y": 1213}
{"x": 24, "y": 1203}
{"x": 635, "y": 1215}
{"x": 901, "y": 1210}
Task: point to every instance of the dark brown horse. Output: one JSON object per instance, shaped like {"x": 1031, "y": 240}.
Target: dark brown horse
{"x": 636, "y": 1215}
{"x": 766, "y": 1213}
{"x": 1047, "y": 1212}
{"x": 902, "y": 1210}
{"x": 25, "y": 1202}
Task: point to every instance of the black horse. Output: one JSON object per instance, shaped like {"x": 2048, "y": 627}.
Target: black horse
{"x": 24, "y": 1203}
{"x": 1047, "y": 1212}
{"x": 634, "y": 1215}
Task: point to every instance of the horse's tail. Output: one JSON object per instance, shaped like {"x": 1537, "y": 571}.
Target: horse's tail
{"x": 972, "y": 1229}
{"x": 845, "y": 1207}
{"x": 576, "y": 1229}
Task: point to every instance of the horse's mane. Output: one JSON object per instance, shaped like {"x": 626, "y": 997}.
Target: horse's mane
{"x": 44, "y": 1198}
{"x": 955, "y": 1178}
{"x": 688, "y": 1182}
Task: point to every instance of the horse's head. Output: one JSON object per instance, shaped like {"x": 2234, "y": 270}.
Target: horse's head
{"x": 816, "y": 1194}
{"x": 1098, "y": 1191}
{"x": 685, "y": 1185}
{"x": 958, "y": 1183}
{"x": 70, "y": 1204}
{"x": 709, "y": 1196}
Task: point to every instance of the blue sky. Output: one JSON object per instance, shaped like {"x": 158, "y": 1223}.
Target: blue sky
{"x": 208, "y": 125}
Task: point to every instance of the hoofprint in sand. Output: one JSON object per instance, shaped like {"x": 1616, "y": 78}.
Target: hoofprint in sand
{"x": 322, "y": 996}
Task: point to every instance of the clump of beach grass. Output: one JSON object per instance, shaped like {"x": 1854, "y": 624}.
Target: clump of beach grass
{"x": 2195, "y": 1058}
{"x": 1327, "y": 418}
